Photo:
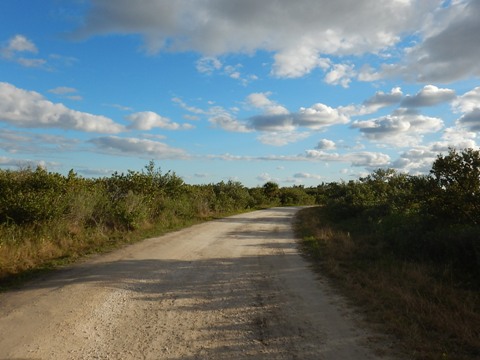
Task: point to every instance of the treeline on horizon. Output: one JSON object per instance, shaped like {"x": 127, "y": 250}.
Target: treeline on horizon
{"x": 46, "y": 215}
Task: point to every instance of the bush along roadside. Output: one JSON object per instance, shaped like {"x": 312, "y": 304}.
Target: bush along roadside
{"x": 406, "y": 249}
{"x": 47, "y": 219}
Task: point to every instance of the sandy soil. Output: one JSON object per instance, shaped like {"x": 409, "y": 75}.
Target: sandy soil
{"x": 235, "y": 288}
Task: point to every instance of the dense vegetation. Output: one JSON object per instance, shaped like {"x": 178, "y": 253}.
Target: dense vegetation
{"x": 407, "y": 248}
{"x": 46, "y": 217}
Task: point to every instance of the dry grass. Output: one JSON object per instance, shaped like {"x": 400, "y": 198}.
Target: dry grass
{"x": 420, "y": 305}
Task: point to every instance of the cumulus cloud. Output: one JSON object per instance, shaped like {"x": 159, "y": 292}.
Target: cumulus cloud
{"x": 319, "y": 116}
{"x": 277, "y": 119}
{"x": 468, "y": 101}
{"x": 361, "y": 159}
{"x": 228, "y": 122}
{"x": 326, "y": 144}
{"x": 402, "y": 128}
{"x": 297, "y": 33}
{"x": 298, "y": 61}
{"x": 417, "y": 160}
{"x": 147, "y": 120}
{"x": 340, "y": 74}
{"x": 381, "y": 100}
{"x": 373, "y": 104}
{"x": 265, "y": 177}
{"x": 261, "y": 101}
{"x": 456, "y": 137}
{"x": 29, "y": 109}
{"x": 469, "y": 104}
{"x": 471, "y": 120}
{"x": 18, "y": 45}
{"x": 451, "y": 47}
{"x": 430, "y": 95}
{"x": 144, "y": 148}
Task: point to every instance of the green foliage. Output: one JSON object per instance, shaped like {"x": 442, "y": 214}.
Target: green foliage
{"x": 45, "y": 215}
{"x": 294, "y": 196}
{"x": 433, "y": 218}
{"x": 271, "y": 191}
{"x": 30, "y": 196}
{"x": 457, "y": 176}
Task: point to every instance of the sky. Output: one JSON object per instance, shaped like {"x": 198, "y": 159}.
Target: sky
{"x": 296, "y": 92}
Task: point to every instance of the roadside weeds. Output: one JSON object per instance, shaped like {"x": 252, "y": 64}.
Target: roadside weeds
{"x": 416, "y": 303}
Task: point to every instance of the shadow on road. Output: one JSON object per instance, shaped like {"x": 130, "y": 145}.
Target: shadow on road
{"x": 237, "y": 301}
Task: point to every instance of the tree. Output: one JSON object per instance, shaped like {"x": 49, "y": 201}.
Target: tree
{"x": 458, "y": 177}
{"x": 271, "y": 190}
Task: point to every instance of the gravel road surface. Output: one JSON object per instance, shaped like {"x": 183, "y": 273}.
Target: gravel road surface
{"x": 234, "y": 288}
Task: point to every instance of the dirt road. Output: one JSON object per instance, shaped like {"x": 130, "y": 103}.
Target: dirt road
{"x": 229, "y": 289}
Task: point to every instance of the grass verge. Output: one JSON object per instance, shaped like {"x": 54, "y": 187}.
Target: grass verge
{"x": 42, "y": 249}
{"x": 420, "y": 304}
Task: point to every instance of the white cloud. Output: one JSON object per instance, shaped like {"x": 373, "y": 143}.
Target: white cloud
{"x": 340, "y": 74}
{"x": 31, "y": 62}
{"x": 25, "y": 142}
{"x": 273, "y": 123}
{"x": 62, "y": 90}
{"x": 469, "y": 104}
{"x": 207, "y": 65}
{"x": 276, "y": 118}
{"x": 29, "y": 109}
{"x": 185, "y": 106}
{"x": 471, "y": 120}
{"x": 282, "y": 138}
{"x": 147, "y": 120}
{"x": 430, "y": 95}
{"x": 298, "y": 61}
{"x": 319, "y": 116}
{"x": 417, "y": 160}
{"x": 468, "y": 101}
{"x": 304, "y": 175}
{"x": 8, "y": 162}
{"x": 297, "y": 33}
{"x": 143, "y": 148}
{"x": 402, "y": 128}
{"x": 18, "y": 45}
{"x": 66, "y": 92}
{"x": 451, "y": 46}
{"x": 456, "y": 137}
{"x": 265, "y": 177}
{"x": 381, "y": 100}
{"x": 326, "y": 144}
{"x": 119, "y": 107}
{"x": 261, "y": 101}
{"x": 226, "y": 121}
{"x": 361, "y": 159}
{"x": 369, "y": 160}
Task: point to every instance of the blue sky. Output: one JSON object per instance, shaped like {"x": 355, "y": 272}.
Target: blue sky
{"x": 297, "y": 92}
